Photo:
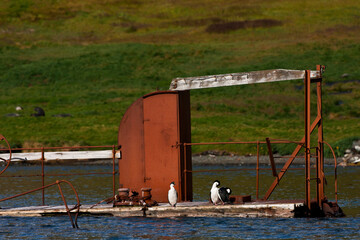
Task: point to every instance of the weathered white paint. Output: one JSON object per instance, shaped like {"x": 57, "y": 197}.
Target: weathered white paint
{"x": 69, "y": 155}
{"x": 182, "y": 209}
{"x": 233, "y": 79}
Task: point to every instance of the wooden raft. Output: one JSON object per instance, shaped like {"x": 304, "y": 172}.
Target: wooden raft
{"x": 183, "y": 209}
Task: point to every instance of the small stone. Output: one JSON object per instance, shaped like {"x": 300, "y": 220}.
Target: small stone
{"x": 347, "y": 151}
{"x": 357, "y": 148}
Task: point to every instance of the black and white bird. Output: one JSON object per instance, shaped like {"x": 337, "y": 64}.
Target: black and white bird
{"x": 172, "y": 195}
{"x": 214, "y": 193}
{"x": 224, "y": 194}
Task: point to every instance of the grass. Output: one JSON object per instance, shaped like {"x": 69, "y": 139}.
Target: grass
{"x": 92, "y": 59}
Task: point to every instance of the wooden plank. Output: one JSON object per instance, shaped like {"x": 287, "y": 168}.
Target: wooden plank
{"x": 69, "y": 155}
{"x": 233, "y": 79}
{"x": 182, "y": 209}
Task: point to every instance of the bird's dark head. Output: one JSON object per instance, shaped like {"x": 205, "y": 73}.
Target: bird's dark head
{"x": 216, "y": 182}
{"x": 172, "y": 183}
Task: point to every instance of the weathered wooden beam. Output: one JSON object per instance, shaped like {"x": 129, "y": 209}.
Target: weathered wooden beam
{"x": 69, "y": 155}
{"x": 182, "y": 209}
{"x": 233, "y": 79}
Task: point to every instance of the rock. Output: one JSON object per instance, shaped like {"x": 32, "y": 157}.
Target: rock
{"x": 19, "y": 108}
{"x": 39, "y": 112}
{"x": 345, "y": 75}
{"x": 352, "y": 155}
{"x": 357, "y": 148}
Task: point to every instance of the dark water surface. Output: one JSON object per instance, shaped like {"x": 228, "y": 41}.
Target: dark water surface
{"x": 94, "y": 188}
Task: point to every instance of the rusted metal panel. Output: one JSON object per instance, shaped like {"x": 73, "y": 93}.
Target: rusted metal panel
{"x": 131, "y": 139}
{"x": 161, "y": 135}
{"x": 150, "y": 136}
{"x": 233, "y": 79}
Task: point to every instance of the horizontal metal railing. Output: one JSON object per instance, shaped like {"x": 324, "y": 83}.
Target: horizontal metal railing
{"x": 258, "y": 168}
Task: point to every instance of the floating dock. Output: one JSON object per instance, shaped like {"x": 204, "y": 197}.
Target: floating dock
{"x": 183, "y": 209}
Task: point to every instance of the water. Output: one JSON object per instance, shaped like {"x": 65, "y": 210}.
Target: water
{"x": 97, "y": 187}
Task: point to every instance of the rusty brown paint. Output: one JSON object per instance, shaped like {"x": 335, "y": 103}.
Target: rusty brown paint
{"x": 9, "y": 149}
{"x": 150, "y": 135}
{"x": 307, "y": 138}
{"x": 271, "y": 156}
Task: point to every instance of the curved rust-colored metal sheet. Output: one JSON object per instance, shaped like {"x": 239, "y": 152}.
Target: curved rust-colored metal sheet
{"x": 150, "y": 134}
{"x": 131, "y": 139}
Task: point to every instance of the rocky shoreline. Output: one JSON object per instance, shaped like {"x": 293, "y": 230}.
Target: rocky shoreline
{"x": 352, "y": 155}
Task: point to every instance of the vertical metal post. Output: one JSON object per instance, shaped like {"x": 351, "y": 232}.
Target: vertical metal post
{"x": 182, "y": 185}
{"x": 185, "y": 173}
{"x": 320, "y": 157}
{"x": 113, "y": 157}
{"x": 272, "y": 162}
{"x": 307, "y": 139}
{"x": 43, "y": 175}
{"x": 257, "y": 170}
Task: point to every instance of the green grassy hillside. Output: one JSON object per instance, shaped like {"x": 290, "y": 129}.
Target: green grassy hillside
{"x": 93, "y": 58}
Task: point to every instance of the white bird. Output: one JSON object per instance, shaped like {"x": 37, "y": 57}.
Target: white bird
{"x": 214, "y": 193}
{"x": 172, "y": 195}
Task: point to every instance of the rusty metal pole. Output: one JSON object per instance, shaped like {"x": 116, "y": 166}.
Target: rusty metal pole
{"x": 307, "y": 139}
{"x": 320, "y": 159}
{"x": 66, "y": 206}
{"x": 43, "y": 175}
{"x": 181, "y": 186}
{"x": 257, "y": 169}
{"x": 185, "y": 173}
{"x": 113, "y": 173}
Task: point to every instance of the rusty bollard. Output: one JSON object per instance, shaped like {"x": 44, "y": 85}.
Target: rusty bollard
{"x": 146, "y": 196}
{"x": 123, "y": 194}
{"x": 146, "y": 193}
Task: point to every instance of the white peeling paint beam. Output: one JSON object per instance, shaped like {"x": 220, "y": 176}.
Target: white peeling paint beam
{"x": 233, "y": 79}
{"x": 70, "y": 155}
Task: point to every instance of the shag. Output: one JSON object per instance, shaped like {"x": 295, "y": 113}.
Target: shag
{"x": 224, "y": 194}
{"x": 172, "y": 195}
{"x": 214, "y": 192}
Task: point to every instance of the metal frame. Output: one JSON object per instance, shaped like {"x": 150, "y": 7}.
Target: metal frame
{"x": 273, "y": 76}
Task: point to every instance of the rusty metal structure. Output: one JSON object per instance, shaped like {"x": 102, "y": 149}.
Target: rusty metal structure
{"x": 151, "y": 134}
{"x": 156, "y": 143}
{"x": 154, "y": 137}
{"x": 43, "y": 175}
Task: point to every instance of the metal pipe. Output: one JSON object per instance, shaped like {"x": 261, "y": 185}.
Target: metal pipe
{"x": 273, "y": 167}
{"x": 307, "y": 139}
{"x": 257, "y": 169}
{"x": 238, "y": 169}
{"x": 57, "y": 175}
{"x": 43, "y": 176}
{"x": 66, "y": 206}
{"x": 9, "y": 149}
{"x": 336, "y": 190}
{"x": 113, "y": 173}
{"x": 185, "y": 172}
